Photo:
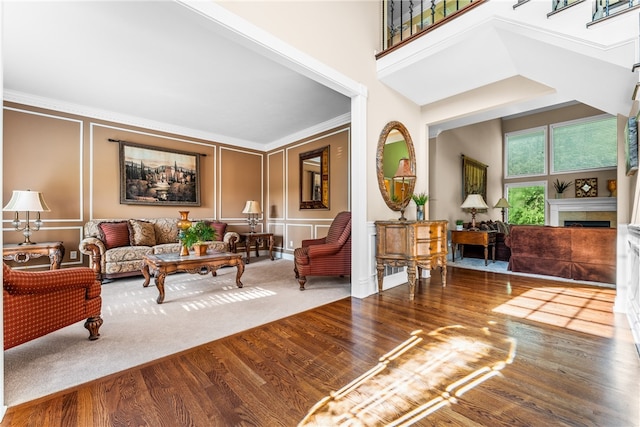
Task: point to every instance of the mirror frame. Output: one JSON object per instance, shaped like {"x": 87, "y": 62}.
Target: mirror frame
{"x": 323, "y": 153}
{"x": 394, "y": 125}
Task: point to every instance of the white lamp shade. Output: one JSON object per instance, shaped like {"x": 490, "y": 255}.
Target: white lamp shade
{"x": 252, "y": 207}
{"x": 474, "y": 201}
{"x": 28, "y": 201}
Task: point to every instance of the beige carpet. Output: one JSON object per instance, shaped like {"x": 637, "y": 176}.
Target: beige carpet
{"x": 197, "y": 309}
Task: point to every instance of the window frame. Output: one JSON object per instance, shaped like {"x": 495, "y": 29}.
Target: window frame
{"x": 552, "y": 126}
{"x": 542, "y": 183}
{"x": 545, "y": 132}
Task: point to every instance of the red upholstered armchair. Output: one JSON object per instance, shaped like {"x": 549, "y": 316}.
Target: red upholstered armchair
{"x": 328, "y": 256}
{"x": 37, "y": 303}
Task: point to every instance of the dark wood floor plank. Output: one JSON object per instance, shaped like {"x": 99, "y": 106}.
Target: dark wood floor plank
{"x": 575, "y": 363}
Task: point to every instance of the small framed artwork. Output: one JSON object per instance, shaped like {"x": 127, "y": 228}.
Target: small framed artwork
{"x": 154, "y": 176}
{"x": 586, "y": 187}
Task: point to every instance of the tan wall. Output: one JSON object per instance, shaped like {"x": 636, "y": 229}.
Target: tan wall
{"x": 72, "y": 162}
{"x": 294, "y": 223}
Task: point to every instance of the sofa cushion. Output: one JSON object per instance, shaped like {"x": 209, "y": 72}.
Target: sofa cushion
{"x": 114, "y": 234}
{"x": 166, "y": 230}
{"x": 141, "y": 233}
{"x": 220, "y": 227}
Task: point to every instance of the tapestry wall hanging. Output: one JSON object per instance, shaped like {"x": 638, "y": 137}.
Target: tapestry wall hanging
{"x": 474, "y": 178}
{"x": 154, "y": 176}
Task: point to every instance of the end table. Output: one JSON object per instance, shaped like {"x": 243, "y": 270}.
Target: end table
{"x": 24, "y": 253}
{"x": 257, "y": 238}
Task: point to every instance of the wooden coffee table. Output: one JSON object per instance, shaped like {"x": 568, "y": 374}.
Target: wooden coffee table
{"x": 163, "y": 264}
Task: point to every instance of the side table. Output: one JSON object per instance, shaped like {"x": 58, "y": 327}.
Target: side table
{"x": 257, "y": 238}
{"x": 24, "y": 253}
{"x": 469, "y": 237}
{"x": 414, "y": 244}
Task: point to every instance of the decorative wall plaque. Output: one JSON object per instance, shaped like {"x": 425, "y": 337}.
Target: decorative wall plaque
{"x": 587, "y": 187}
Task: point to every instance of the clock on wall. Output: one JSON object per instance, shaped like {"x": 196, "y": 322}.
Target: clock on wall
{"x": 586, "y": 187}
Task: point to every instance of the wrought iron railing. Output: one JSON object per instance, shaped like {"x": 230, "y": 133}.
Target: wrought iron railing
{"x": 407, "y": 19}
{"x": 605, "y": 8}
{"x": 404, "y": 19}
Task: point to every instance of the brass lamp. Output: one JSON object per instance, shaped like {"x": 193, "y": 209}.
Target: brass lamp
{"x": 252, "y": 209}
{"x": 503, "y": 204}
{"x": 474, "y": 202}
{"x": 28, "y": 201}
{"x": 404, "y": 173}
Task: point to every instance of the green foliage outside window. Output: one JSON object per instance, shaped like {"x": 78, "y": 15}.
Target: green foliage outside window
{"x": 585, "y": 145}
{"x": 526, "y": 153}
{"x": 527, "y": 205}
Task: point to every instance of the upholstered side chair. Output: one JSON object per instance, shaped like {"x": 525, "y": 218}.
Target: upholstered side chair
{"x": 327, "y": 256}
{"x": 40, "y": 302}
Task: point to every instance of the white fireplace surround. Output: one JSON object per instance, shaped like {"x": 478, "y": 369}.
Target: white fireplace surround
{"x": 587, "y": 204}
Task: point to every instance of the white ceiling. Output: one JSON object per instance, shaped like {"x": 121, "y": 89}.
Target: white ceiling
{"x": 158, "y": 64}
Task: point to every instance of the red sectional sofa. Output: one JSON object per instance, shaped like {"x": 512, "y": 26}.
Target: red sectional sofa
{"x": 578, "y": 253}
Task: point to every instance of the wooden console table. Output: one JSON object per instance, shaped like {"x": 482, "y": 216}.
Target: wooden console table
{"x": 257, "y": 238}
{"x": 24, "y": 253}
{"x": 468, "y": 237}
{"x": 414, "y": 244}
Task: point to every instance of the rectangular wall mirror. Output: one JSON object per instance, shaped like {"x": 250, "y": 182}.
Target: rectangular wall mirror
{"x": 314, "y": 179}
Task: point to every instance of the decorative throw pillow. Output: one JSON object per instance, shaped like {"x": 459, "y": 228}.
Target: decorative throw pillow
{"x": 221, "y": 228}
{"x": 141, "y": 233}
{"x": 114, "y": 234}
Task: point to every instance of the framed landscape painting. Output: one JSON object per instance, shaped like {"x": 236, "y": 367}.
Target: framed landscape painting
{"x": 154, "y": 176}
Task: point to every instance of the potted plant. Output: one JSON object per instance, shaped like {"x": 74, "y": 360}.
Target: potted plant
{"x": 459, "y": 224}
{"x": 196, "y": 237}
{"x": 420, "y": 200}
{"x": 561, "y": 186}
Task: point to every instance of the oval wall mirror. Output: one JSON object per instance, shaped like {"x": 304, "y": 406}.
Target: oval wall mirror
{"x": 395, "y": 151}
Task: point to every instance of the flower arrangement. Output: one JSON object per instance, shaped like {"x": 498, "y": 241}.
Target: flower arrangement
{"x": 196, "y": 234}
{"x": 420, "y": 198}
{"x": 561, "y": 186}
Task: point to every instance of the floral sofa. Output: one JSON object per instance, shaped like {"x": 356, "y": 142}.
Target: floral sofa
{"x": 116, "y": 246}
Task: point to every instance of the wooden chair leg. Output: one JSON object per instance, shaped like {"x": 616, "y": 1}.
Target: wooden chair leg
{"x": 93, "y": 325}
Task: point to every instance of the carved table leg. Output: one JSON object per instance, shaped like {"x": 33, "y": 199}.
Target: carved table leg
{"x": 239, "y": 273}
{"x": 55, "y": 257}
{"x": 411, "y": 275}
{"x": 443, "y": 274}
{"x": 248, "y": 249}
{"x": 160, "y": 285}
{"x": 147, "y": 276}
{"x": 271, "y": 247}
{"x": 380, "y": 269}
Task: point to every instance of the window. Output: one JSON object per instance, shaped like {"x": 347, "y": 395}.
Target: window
{"x": 527, "y": 200}
{"x": 586, "y": 144}
{"x": 525, "y": 153}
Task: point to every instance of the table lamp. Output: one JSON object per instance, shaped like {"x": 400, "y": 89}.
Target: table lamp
{"x": 28, "y": 201}
{"x": 474, "y": 202}
{"x": 252, "y": 209}
{"x": 404, "y": 173}
{"x": 502, "y": 203}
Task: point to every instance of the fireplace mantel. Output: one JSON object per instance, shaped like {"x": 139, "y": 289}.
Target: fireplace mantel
{"x": 584, "y": 204}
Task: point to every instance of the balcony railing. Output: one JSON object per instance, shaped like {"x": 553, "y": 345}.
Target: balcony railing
{"x": 606, "y": 8}
{"x": 404, "y": 19}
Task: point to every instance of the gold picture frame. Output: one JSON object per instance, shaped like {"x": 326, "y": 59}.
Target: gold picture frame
{"x": 474, "y": 178}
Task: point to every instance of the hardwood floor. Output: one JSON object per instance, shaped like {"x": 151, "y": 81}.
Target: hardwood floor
{"x": 495, "y": 350}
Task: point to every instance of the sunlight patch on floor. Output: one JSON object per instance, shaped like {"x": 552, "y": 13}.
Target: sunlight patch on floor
{"x": 421, "y": 375}
{"x": 587, "y": 309}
